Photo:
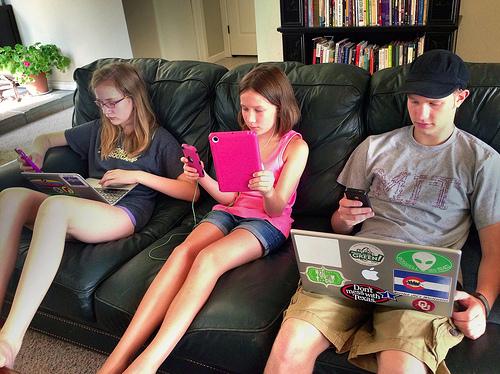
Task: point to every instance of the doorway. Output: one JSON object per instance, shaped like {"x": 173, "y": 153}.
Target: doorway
{"x": 241, "y": 27}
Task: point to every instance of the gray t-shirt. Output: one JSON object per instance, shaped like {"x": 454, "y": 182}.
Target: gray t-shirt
{"x": 162, "y": 158}
{"x": 426, "y": 194}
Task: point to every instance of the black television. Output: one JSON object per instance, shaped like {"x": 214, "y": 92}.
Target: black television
{"x": 9, "y": 34}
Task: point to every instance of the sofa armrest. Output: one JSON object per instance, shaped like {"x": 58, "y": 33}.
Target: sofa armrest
{"x": 476, "y": 356}
{"x": 10, "y": 176}
{"x": 64, "y": 160}
{"x": 58, "y": 159}
{"x": 471, "y": 258}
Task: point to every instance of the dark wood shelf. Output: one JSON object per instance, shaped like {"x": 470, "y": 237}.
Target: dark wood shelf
{"x": 440, "y": 30}
{"x": 373, "y": 29}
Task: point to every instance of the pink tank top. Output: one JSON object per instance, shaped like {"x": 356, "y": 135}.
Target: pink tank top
{"x": 251, "y": 204}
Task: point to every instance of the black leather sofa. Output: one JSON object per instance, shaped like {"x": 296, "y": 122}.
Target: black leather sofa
{"x": 99, "y": 286}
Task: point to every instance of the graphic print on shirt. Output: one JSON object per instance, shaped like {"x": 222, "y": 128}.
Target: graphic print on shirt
{"x": 406, "y": 188}
{"x": 120, "y": 154}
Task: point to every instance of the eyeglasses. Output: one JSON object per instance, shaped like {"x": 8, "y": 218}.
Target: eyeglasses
{"x": 108, "y": 104}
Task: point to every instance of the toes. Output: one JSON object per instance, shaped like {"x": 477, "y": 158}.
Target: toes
{"x": 6, "y": 355}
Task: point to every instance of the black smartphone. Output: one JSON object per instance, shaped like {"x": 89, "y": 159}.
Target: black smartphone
{"x": 359, "y": 195}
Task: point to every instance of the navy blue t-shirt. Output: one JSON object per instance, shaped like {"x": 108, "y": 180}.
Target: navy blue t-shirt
{"x": 161, "y": 158}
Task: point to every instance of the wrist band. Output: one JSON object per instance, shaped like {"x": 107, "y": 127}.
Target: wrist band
{"x": 483, "y": 299}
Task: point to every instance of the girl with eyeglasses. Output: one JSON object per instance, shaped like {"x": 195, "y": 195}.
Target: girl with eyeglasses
{"x": 125, "y": 146}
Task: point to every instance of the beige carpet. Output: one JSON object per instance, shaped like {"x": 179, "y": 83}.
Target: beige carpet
{"x": 42, "y": 354}
{"x": 24, "y": 136}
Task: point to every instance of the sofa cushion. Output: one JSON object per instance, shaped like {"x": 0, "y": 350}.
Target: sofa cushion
{"x": 85, "y": 266}
{"x": 330, "y": 97}
{"x": 242, "y": 314}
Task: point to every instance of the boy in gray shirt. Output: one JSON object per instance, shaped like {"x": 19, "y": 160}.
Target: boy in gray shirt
{"x": 427, "y": 183}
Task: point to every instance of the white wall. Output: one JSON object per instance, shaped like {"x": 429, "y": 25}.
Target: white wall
{"x": 267, "y": 18}
{"x": 142, "y": 28}
{"x": 176, "y": 31}
{"x": 213, "y": 26}
{"x": 83, "y": 30}
{"x": 479, "y": 31}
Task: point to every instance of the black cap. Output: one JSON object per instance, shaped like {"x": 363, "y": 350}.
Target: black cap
{"x": 436, "y": 74}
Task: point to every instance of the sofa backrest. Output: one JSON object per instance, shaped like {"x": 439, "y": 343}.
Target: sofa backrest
{"x": 181, "y": 93}
{"x": 478, "y": 115}
{"x": 331, "y": 98}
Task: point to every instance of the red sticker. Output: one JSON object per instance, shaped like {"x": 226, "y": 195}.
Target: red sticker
{"x": 413, "y": 283}
{"x": 423, "y": 305}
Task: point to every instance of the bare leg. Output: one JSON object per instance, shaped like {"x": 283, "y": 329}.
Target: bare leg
{"x": 235, "y": 249}
{"x": 296, "y": 348}
{"x": 57, "y": 215}
{"x": 18, "y": 206}
{"x": 158, "y": 297}
{"x": 399, "y": 362}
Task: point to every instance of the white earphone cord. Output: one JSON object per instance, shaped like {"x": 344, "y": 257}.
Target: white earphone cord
{"x": 150, "y": 253}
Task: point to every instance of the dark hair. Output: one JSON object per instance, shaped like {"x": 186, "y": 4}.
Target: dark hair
{"x": 270, "y": 82}
{"x": 129, "y": 82}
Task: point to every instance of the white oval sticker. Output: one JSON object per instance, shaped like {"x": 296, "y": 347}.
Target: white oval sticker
{"x": 366, "y": 254}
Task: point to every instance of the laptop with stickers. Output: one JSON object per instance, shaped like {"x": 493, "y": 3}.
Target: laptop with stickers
{"x": 73, "y": 184}
{"x": 393, "y": 274}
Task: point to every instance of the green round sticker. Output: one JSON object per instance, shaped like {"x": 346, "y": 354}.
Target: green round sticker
{"x": 424, "y": 261}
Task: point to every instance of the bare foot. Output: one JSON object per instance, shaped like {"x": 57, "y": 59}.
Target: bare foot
{"x": 7, "y": 355}
{"x": 112, "y": 368}
{"x": 139, "y": 368}
{"x": 114, "y": 364}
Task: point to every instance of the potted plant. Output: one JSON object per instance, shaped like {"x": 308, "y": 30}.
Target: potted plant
{"x": 30, "y": 65}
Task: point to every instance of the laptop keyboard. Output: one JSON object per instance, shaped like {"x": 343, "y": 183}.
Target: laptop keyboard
{"x": 111, "y": 195}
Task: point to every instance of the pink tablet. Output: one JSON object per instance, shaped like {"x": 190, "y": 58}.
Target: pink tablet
{"x": 236, "y": 157}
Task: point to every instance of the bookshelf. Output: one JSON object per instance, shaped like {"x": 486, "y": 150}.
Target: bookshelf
{"x": 438, "y": 27}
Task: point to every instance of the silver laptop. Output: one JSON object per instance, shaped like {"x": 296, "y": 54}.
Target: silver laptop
{"x": 74, "y": 184}
{"x": 394, "y": 274}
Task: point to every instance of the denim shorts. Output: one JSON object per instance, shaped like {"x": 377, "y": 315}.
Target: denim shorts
{"x": 269, "y": 236}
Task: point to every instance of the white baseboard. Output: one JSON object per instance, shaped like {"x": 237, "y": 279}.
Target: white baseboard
{"x": 62, "y": 85}
{"x": 217, "y": 57}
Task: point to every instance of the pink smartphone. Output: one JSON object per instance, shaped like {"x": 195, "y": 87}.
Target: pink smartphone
{"x": 191, "y": 153}
{"x": 236, "y": 157}
{"x": 28, "y": 160}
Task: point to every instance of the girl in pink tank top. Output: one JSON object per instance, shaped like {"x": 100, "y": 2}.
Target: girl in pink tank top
{"x": 241, "y": 228}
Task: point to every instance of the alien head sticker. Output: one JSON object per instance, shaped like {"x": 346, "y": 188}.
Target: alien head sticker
{"x": 366, "y": 254}
{"x": 424, "y": 261}
{"x": 327, "y": 277}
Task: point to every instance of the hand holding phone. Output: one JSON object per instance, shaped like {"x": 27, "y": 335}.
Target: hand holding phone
{"x": 191, "y": 153}
{"x": 358, "y": 195}
{"x": 27, "y": 160}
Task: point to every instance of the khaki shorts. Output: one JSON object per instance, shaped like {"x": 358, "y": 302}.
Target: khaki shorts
{"x": 364, "y": 329}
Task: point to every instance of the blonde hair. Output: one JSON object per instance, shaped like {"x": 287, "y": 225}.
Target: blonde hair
{"x": 271, "y": 82}
{"x": 126, "y": 79}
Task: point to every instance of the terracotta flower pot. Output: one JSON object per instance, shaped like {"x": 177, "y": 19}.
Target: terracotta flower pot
{"x": 39, "y": 86}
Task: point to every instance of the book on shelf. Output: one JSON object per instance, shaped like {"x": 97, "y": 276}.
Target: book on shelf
{"x": 347, "y": 13}
{"x": 370, "y": 57}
